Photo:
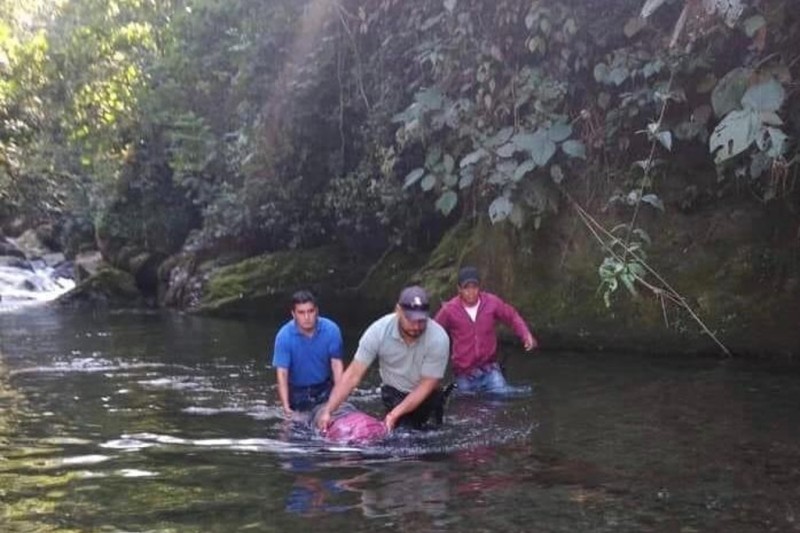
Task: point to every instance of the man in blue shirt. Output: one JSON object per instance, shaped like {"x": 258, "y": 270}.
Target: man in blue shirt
{"x": 307, "y": 356}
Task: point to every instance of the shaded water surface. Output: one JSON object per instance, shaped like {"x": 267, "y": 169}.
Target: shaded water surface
{"x": 160, "y": 422}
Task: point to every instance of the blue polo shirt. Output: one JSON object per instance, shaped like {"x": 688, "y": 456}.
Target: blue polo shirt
{"x": 308, "y": 359}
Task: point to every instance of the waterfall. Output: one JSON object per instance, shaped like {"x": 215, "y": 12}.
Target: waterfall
{"x": 24, "y": 282}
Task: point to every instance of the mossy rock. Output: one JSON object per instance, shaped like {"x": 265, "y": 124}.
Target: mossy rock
{"x": 435, "y": 271}
{"x": 262, "y": 285}
{"x": 379, "y": 290}
{"x": 744, "y": 287}
{"x": 489, "y": 247}
{"x": 551, "y": 278}
{"x": 175, "y": 281}
{"x": 108, "y": 286}
{"x": 77, "y": 235}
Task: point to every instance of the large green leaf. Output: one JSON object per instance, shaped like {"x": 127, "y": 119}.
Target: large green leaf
{"x": 500, "y": 209}
{"x": 523, "y": 141}
{"x": 728, "y": 93}
{"x": 765, "y": 97}
{"x": 434, "y": 156}
{"x": 628, "y": 280}
{"x": 753, "y": 24}
{"x": 507, "y": 150}
{"x": 504, "y": 172}
{"x": 777, "y": 142}
{"x": 665, "y": 138}
{"x": 404, "y": 116}
{"x": 601, "y": 72}
{"x": 467, "y": 178}
{"x": 653, "y": 200}
{"x": 618, "y": 75}
{"x": 734, "y": 134}
{"x": 559, "y": 132}
{"x": 650, "y": 6}
{"x": 542, "y": 148}
{"x": 413, "y": 177}
{"x": 501, "y": 137}
{"x": 430, "y": 98}
{"x": 447, "y": 202}
{"x": 574, "y": 148}
{"x": 450, "y": 180}
{"x": 473, "y": 157}
{"x": 523, "y": 168}
{"x": 771, "y": 118}
{"x": 449, "y": 163}
{"x": 633, "y": 26}
{"x": 428, "y": 182}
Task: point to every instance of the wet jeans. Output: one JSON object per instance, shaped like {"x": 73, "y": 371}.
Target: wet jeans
{"x": 305, "y": 398}
{"x": 489, "y": 379}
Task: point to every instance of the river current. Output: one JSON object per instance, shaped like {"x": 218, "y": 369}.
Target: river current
{"x": 163, "y": 422}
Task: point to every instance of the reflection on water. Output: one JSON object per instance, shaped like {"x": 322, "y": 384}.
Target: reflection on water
{"x": 161, "y": 422}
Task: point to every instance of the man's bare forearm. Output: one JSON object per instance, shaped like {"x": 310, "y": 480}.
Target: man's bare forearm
{"x": 283, "y": 388}
{"x": 349, "y": 380}
{"x": 337, "y": 369}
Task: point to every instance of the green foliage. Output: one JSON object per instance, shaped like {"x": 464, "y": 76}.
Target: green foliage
{"x": 502, "y": 158}
{"x": 750, "y": 138}
{"x": 614, "y": 272}
{"x": 267, "y": 280}
{"x": 729, "y": 91}
{"x": 286, "y": 124}
{"x": 623, "y": 266}
{"x": 192, "y": 150}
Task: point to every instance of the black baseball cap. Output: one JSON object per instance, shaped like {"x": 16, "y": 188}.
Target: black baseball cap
{"x": 468, "y": 274}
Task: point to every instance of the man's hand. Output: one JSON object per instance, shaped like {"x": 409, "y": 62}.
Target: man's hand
{"x": 288, "y": 413}
{"x": 529, "y": 343}
{"x": 323, "y": 420}
{"x": 390, "y": 421}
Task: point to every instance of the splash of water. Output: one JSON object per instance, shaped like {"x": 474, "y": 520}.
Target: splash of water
{"x": 22, "y": 287}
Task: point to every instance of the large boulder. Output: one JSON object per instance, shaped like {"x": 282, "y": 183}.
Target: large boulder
{"x": 14, "y": 227}
{"x": 49, "y": 236}
{"x": 107, "y": 287}
{"x": 88, "y": 264}
{"x": 727, "y": 274}
{"x": 178, "y": 284}
{"x": 262, "y": 285}
{"x": 8, "y": 248}
{"x": 76, "y": 236}
{"x": 31, "y": 245}
{"x": 13, "y": 261}
{"x": 144, "y": 268}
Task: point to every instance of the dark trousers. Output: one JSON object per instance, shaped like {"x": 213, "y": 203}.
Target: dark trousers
{"x": 306, "y": 398}
{"x": 432, "y": 408}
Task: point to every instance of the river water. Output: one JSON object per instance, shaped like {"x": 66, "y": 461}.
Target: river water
{"x": 151, "y": 422}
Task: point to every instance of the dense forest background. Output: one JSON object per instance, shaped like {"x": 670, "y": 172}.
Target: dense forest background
{"x": 630, "y": 162}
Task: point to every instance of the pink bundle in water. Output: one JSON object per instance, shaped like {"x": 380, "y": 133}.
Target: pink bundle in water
{"x": 355, "y": 427}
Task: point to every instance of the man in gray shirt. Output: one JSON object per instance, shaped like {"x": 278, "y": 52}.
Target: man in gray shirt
{"x": 412, "y": 353}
